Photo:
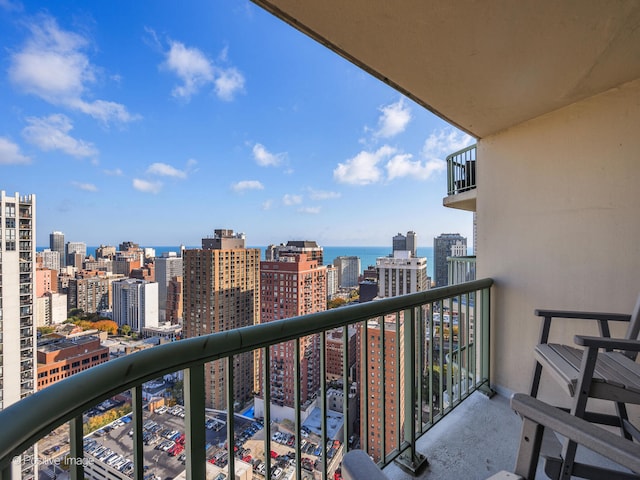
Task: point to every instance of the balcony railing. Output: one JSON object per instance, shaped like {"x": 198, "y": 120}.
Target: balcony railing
{"x": 461, "y": 170}
{"x": 461, "y": 269}
{"x": 424, "y": 365}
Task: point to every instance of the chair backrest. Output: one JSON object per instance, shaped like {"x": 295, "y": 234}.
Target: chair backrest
{"x": 633, "y": 330}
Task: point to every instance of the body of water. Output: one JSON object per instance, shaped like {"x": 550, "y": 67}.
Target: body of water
{"x": 367, "y": 255}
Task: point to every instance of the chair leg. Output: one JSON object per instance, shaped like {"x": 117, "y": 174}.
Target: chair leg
{"x": 621, "y": 410}
{"x": 579, "y": 407}
{"x": 535, "y": 382}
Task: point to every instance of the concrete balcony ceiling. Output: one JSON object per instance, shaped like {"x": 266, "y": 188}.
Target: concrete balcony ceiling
{"x": 482, "y": 66}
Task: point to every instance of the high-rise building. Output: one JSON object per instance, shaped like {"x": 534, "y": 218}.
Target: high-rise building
{"x": 348, "y": 271}
{"x": 401, "y": 274}
{"x": 91, "y": 294}
{"x": 384, "y": 378}
{"x": 105, "y": 251}
{"x": 310, "y": 247}
{"x": 126, "y": 261}
{"x": 335, "y": 354}
{"x": 406, "y": 243}
{"x": 332, "y": 281}
{"x": 168, "y": 266}
{"x": 291, "y": 286}
{"x": 51, "y": 309}
{"x": 76, "y": 253}
{"x": 50, "y": 259}
{"x": 17, "y": 305}
{"x": 221, "y": 292}
{"x": 442, "y": 248}
{"x": 56, "y": 244}
{"x": 135, "y": 303}
{"x": 174, "y": 312}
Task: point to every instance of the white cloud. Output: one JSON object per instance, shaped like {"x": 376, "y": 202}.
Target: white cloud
{"x": 266, "y": 159}
{"x": 309, "y": 210}
{"x": 103, "y": 110}
{"x": 247, "y": 185}
{"x": 10, "y": 153}
{"x": 289, "y": 199}
{"x": 403, "y": 166}
{"x": 394, "y": 119}
{"x": 164, "y": 170}
{"x": 363, "y": 168}
{"x": 322, "y": 195}
{"x": 115, "y": 172}
{"x": 53, "y": 66}
{"x": 267, "y": 205}
{"x": 11, "y": 6}
{"x": 196, "y": 72}
{"x": 444, "y": 142}
{"x": 191, "y": 66}
{"x": 146, "y": 186}
{"x": 228, "y": 82}
{"x": 52, "y": 133}
{"x": 87, "y": 187}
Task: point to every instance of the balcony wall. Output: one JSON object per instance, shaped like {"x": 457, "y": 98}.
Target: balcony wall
{"x": 559, "y": 222}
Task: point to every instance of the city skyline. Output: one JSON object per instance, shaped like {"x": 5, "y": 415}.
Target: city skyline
{"x": 162, "y": 124}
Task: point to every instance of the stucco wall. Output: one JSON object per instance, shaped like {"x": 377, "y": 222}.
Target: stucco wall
{"x": 559, "y": 222}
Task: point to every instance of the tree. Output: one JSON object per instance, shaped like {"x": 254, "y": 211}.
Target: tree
{"x": 125, "y": 329}
{"x": 46, "y": 330}
{"x": 336, "y": 302}
{"x": 108, "y": 326}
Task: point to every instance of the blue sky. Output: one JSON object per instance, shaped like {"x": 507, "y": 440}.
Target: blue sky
{"x": 160, "y": 121}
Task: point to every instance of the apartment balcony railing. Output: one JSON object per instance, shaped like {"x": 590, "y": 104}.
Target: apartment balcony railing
{"x": 461, "y": 269}
{"x": 461, "y": 170}
{"x": 432, "y": 374}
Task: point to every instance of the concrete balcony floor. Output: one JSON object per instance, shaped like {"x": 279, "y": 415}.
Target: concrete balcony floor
{"x": 477, "y": 439}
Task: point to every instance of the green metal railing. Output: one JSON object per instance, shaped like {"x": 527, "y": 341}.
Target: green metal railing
{"x": 439, "y": 351}
{"x": 461, "y": 170}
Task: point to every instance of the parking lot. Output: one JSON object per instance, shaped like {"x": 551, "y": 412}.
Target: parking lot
{"x": 109, "y": 449}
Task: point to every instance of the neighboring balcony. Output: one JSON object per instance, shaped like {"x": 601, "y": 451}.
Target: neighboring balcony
{"x": 461, "y": 180}
{"x": 461, "y": 269}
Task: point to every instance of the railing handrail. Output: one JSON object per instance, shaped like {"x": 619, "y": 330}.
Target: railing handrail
{"x": 458, "y": 178}
{"x": 27, "y": 421}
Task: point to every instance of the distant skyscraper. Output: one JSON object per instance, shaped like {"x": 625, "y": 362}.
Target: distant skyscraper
{"x": 17, "y": 306}
{"x": 311, "y": 248}
{"x": 135, "y": 303}
{"x": 50, "y": 259}
{"x": 442, "y": 246}
{"x": 105, "y": 251}
{"x": 332, "y": 281}
{"x": 291, "y": 286}
{"x": 348, "y": 271}
{"x": 76, "y": 253}
{"x": 402, "y": 272}
{"x": 56, "y": 243}
{"x": 168, "y": 266}
{"x": 91, "y": 294}
{"x": 408, "y": 243}
{"x": 222, "y": 292}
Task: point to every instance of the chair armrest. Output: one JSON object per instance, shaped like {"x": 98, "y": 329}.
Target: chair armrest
{"x": 614, "y": 447}
{"x": 608, "y": 343}
{"x": 616, "y": 317}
